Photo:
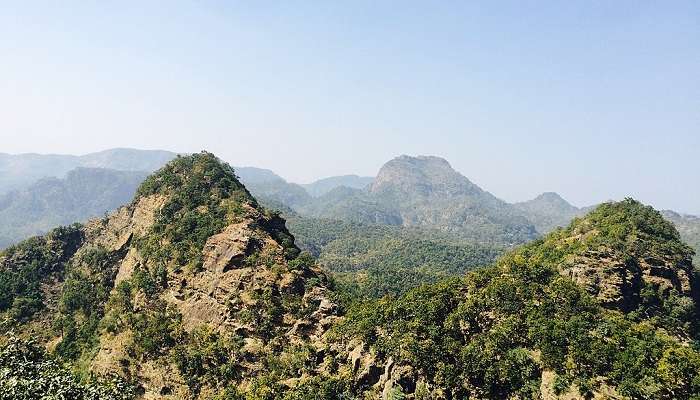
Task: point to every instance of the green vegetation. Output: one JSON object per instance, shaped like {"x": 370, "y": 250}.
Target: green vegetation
{"x": 208, "y": 358}
{"x": 197, "y": 189}
{"x": 629, "y": 227}
{"x": 24, "y": 266}
{"x": 78, "y": 305}
{"x": 371, "y": 261}
{"x": 420, "y": 315}
{"x": 490, "y": 335}
{"x": 295, "y": 362}
{"x": 202, "y": 196}
{"x": 85, "y": 290}
{"x": 633, "y": 234}
{"x": 28, "y": 373}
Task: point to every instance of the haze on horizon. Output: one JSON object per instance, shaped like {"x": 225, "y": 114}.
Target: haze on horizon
{"x": 593, "y": 100}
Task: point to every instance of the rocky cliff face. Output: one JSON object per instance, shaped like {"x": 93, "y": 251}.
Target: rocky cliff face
{"x": 194, "y": 275}
{"x": 628, "y": 256}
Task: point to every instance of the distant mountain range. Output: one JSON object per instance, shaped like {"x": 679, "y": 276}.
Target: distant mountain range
{"x": 84, "y": 193}
{"x": 421, "y": 191}
{"x": 21, "y": 170}
{"x": 325, "y": 185}
{"x": 413, "y": 192}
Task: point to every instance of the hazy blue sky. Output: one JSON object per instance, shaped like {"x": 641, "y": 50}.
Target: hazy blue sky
{"x": 592, "y": 99}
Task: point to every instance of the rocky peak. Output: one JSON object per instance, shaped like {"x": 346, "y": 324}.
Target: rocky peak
{"x": 549, "y": 204}
{"x": 553, "y": 201}
{"x": 421, "y": 175}
{"x": 193, "y": 264}
{"x": 548, "y": 211}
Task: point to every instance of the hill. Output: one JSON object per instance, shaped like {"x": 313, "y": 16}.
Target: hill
{"x": 193, "y": 290}
{"x": 325, "y": 185}
{"x": 21, "y": 170}
{"x": 272, "y": 189}
{"x": 84, "y": 193}
{"x": 549, "y": 211}
{"x": 426, "y": 192}
{"x": 629, "y": 257}
{"x": 689, "y": 228}
{"x": 538, "y": 325}
{"x": 253, "y": 175}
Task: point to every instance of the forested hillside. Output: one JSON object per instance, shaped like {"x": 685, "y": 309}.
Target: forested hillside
{"x": 531, "y": 327}
{"x": 369, "y": 249}
{"x": 193, "y": 290}
{"x": 370, "y": 261}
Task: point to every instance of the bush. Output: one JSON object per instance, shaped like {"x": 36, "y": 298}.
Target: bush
{"x": 28, "y": 373}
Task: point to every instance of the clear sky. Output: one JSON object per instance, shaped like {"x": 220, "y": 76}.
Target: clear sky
{"x": 593, "y": 99}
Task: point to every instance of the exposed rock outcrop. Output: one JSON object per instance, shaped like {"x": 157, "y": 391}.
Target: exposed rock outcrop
{"x": 626, "y": 255}
{"x": 193, "y": 261}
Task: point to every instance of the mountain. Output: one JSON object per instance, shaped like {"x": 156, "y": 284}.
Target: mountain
{"x": 18, "y": 171}
{"x": 689, "y": 228}
{"x": 627, "y": 256}
{"x": 426, "y": 192}
{"x": 549, "y": 211}
{"x": 84, "y": 193}
{"x": 193, "y": 290}
{"x": 253, "y": 175}
{"x": 271, "y": 189}
{"x": 325, "y": 185}
{"x": 350, "y": 205}
{"x": 558, "y": 318}
{"x": 127, "y": 159}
